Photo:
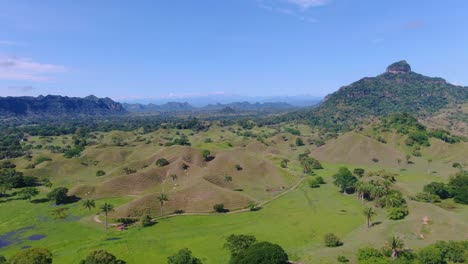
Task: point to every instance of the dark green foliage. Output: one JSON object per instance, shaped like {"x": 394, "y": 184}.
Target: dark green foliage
{"x": 344, "y": 179}
{"x": 431, "y": 255}
{"x": 128, "y": 170}
{"x": 237, "y": 244}
{"x": 182, "y": 141}
{"x": 32, "y": 256}
{"x": 184, "y": 256}
{"x": 309, "y": 164}
{"x": 331, "y": 240}
{"x": 3, "y": 260}
{"x": 368, "y": 253}
{"x": 359, "y": 172}
{"x": 397, "y": 213}
{"x": 41, "y": 160}
{"x": 238, "y": 167}
{"x": 219, "y": 208}
{"x": 101, "y": 257}
{"x": 10, "y": 146}
{"x": 284, "y": 163}
{"x": 454, "y": 251}
{"x": 427, "y": 197}
{"x": 11, "y": 178}
{"x": 459, "y": 187}
{"x": 100, "y": 173}
{"x": 439, "y": 189}
{"x": 342, "y": 259}
{"x": 206, "y": 154}
{"x": 146, "y": 221}
{"x": 162, "y": 162}
{"x": 292, "y": 131}
{"x": 262, "y": 253}
{"x": 73, "y": 152}
{"x": 299, "y": 142}
{"x": 28, "y": 192}
{"x": 58, "y": 195}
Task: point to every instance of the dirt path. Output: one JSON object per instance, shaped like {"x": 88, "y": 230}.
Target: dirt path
{"x": 292, "y": 188}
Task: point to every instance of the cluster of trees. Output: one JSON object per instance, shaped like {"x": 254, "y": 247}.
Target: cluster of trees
{"x": 11, "y": 178}
{"x": 441, "y": 252}
{"x": 309, "y": 164}
{"x": 375, "y": 186}
{"x": 245, "y": 249}
{"x": 457, "y": 187}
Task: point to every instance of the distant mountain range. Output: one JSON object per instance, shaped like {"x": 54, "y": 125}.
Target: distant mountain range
{"x": 55, "y": 105}
{"x": 224, "y": 108}
{"x": 399, "y": 89}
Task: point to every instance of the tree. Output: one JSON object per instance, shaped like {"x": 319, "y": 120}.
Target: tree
{"x": 431, "y": 255}
{"x": 89, "y": 204}
{"x": 28, "y": 192}
{"x": 219, "y": 208}
{"x": 344, "y": 179}
{"x": 162, "y": 162}
{"x": 101, "y": 257}
{"x": 237, "y": 244}
{"x": 162, "y": 198}
{"x": 359, "y": 172}
{"x": 396, "y": 245}
{"x": 106, "y": 209}
{"x": 299, "y": 142}
{"x": 368, "y": 212}
{"x": 3, "y": 260}
{"x": 437, "y": 188}
{"x": 184, "y": 256}
{"x": 58, "y": 195}
{"x": 146, "y": 221}
{"x": 331, "y": 240}
{"x": 32, "y": 256}
{"x": 100, "y": 173}
{"x": 206, "y": 154}
{"x": 262, "y": 253}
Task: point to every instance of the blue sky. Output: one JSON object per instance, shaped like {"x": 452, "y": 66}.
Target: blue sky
{"x": 144, "y": 49}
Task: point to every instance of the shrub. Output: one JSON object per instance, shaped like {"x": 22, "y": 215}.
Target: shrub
{"x": 331, "y": 240}
{"x": 313, "y": 183}
{"x": 237, "y": 244}
{"x": 100, "y": 173}
{"x": 162, "y": 162}
{"x": 146, "y": 220}
{"x": 342, "y": 259}
{"x": 208, "y": 140}
{"x": 299, "y": 142}
{"x": 58, "y": 195}
{"x": 359, "y": 172}
{"x": 33, "y": 256}
{"x": 320, "y": 180}
{"x": 368, "y": 253}
{"x": 219, "y": 208}
{"x": 129, "y": 170}
{"x": 397, "y": 213}
{"x": 206, "y": 154}
{"x": 427, "y": 198}
{"x": 284, "y": 163}
{"x": 437, "y": 188}
{"x": 238, "y": 167}
{"x": 431, "y": 255}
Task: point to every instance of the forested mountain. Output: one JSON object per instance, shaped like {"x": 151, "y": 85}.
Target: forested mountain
{"x": 55, "y": 105}
{"x": 399, "y": 89}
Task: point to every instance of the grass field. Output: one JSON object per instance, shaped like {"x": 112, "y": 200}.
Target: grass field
{"x": 297, "y": 220}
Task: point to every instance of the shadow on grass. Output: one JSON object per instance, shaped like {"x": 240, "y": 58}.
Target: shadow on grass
{"x": 376, "y": 223}
{"x": 38, "y": 201}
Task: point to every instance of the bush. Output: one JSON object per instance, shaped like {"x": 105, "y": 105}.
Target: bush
{"x": 431, "y": 255}
{"x": 313, "y": 183}
{"x": 146, "y": 221}
{"x": 397, "y": 213}
{"x": 331, "y": 240}
{"x": 162, "y": 162}
{"x": 219, "y": 208}
{"x": 32, "y": 256}
{"x": 238, "y": 167}
{"x": 262, "y": 253}
{"x": 299, "y": 142}
{"x": 368, "y": 253}
{"x": 320, "y": 180}
{"x": 101, "y": 257}
{"x": 427, "y": 198}
{"x": 359, "y": 172}
{"x": 342, "y": 259}
{"x": 184, "y": 256}
{"x": 284, "y": 163}
{"x": 237, "y": 244}
{"x": 437, "y": 188}
{"x": 206, "y": 154}
{"x": 100, "y": 173}
{"x": 454, "y": 251}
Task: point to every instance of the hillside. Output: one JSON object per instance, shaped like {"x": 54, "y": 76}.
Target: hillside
{"x": 54, "y": 105}
{"x": 399, "y": 89}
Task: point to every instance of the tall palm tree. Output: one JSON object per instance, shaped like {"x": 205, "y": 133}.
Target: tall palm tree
{"x": 89, "y": 204}
{"x": 396, "y": 244}
{"x": 368, "y": 212}
{"x": 106, "y": 209}
{"x": 162, "y": 198}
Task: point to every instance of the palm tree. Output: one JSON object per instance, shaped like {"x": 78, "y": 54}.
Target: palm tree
{"x": 106, "y": 209}
{"x": 162, "y": 198}
{"x": 396, "y": 244}
{"x": 368, "y": 212}
{"x": 89, "y": 204}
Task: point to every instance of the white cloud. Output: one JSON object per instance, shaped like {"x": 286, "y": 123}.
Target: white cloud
{"x": 305, "y": 4}
{"x": 24, "y": 69}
